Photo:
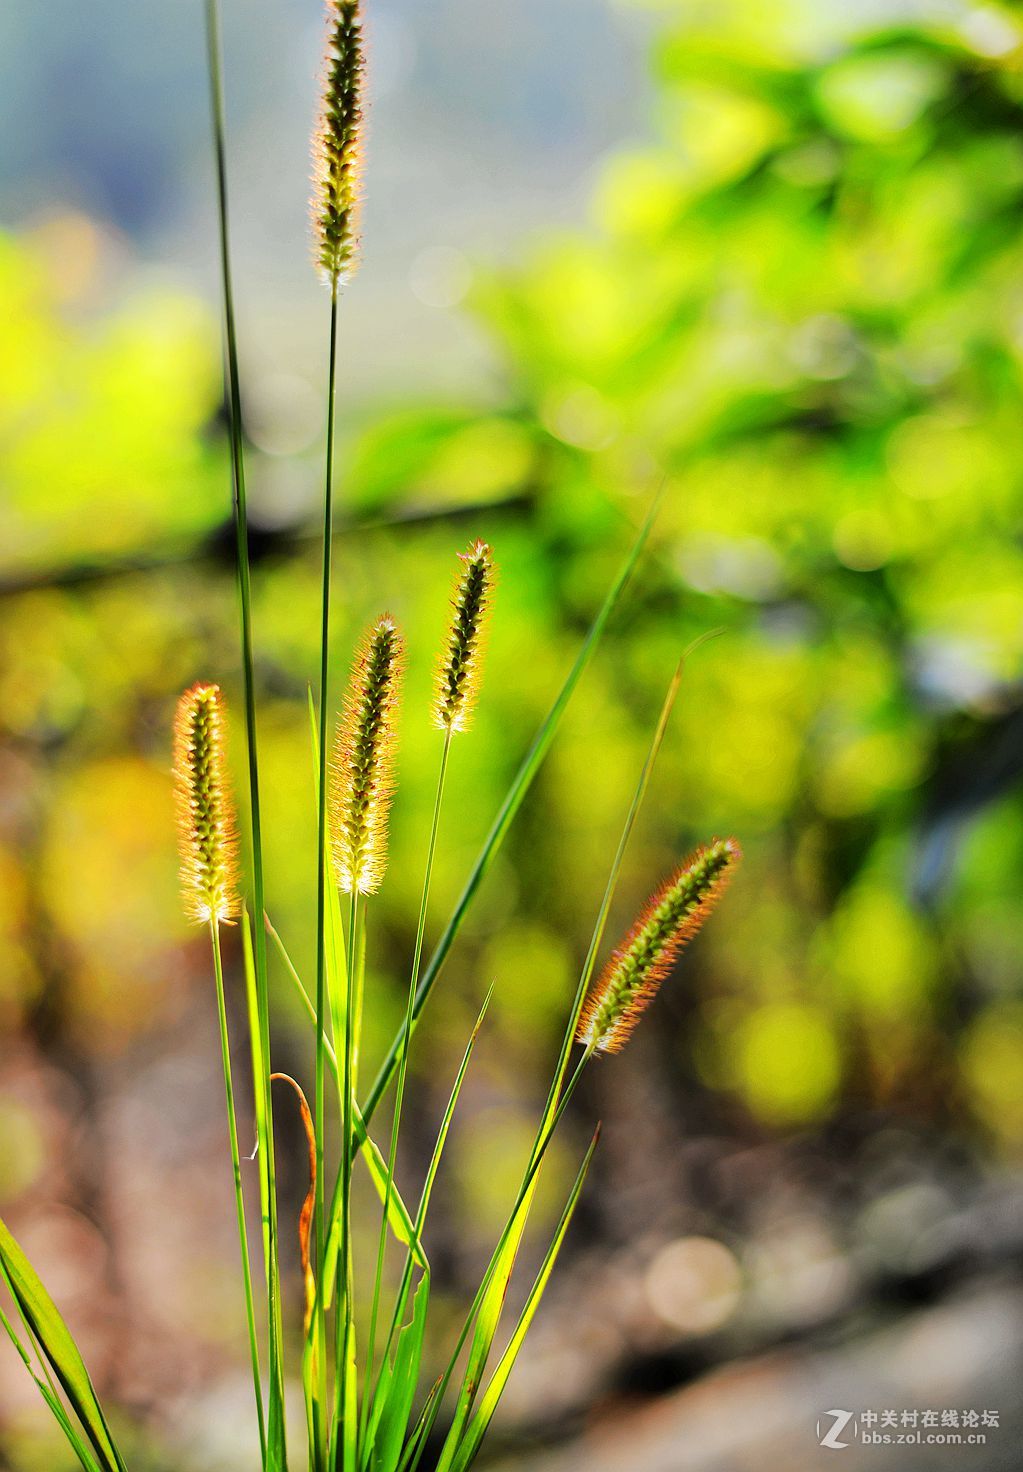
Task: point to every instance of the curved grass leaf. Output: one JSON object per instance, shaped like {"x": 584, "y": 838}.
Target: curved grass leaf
{"x": 56, "y": 1405}
{"x": 55, "y": 1342}
{"x": 470, "y": 1443}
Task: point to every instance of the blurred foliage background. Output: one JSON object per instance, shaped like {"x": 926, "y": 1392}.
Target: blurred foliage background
{"x": 771, "y": 255}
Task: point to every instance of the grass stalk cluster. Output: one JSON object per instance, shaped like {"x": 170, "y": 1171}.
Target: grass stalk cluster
{"x": 368, "y": 1406}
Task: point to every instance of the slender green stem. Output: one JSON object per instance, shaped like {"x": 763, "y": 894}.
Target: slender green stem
{"x": 345, "y": 1305}
{"x": 319, "y": 1236}
{"x": 512, "y": 802}
{"x": 240, "y": 511}
{"x": 399, "y": 1098}
{"x": 239, "y": 1197}
{"x": 480, "y": 1349}
{"x": 600, "y": 924}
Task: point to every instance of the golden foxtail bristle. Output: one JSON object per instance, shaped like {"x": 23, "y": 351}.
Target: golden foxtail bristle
{"x": 207, "y": 833}
{"x": 458, "y": 672}
{"x": 362, "y": 775}
{"x": 337, "y": 142}
{"x": 672, "y": 917}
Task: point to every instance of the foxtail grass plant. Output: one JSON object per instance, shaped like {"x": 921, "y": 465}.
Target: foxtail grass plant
{"x": 337, "y": 158}
{"x": 366, "y": 1406}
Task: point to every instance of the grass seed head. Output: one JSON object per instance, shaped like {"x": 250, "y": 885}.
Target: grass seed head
{"x": 458, "y": 672}
{"x": 636, "y": 969}
{"x": 337, "y": 142}
{"x": 362, "y": 777}
{"x": 207, "y": 833}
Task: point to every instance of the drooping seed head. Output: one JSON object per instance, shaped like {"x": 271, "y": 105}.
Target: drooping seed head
{"x": 362, "y": 777}
{"x": 458, "y": 672}
{"x": 207, "y": 833}
{"x": 672, "y": 916}
{"x": 337, "y": 142}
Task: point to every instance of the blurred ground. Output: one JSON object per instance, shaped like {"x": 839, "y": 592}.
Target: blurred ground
{"x": 765, "y": 1412}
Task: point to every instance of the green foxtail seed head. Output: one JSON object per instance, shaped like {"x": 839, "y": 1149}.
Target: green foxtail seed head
{"x": 207, "y": 835}
{"x": 672, "y": 916}
{"x": 362, "y": 777}
{"x": 458, "y": 672}
{"x": 337, "y": 142}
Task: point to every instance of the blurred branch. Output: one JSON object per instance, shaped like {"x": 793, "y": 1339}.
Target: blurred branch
{"x": 266, "y": 543}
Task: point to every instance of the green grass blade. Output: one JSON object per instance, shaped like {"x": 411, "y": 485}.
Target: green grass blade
{"x": 513, "y": 801}
{"x": 398, "y": 1214}
{"x": 55, "y": 1341}
{"x": 313, "y": 1353}
{"x": 597, "y": 936}
{"x": 396, "y": 1388}
{"x": 243, "y": 1236}
{"x": 276, "y": 1460}
{"x": 348, "y": 1427}
{"x": 449, "y": 1111}
{"x": 492, "y": 1306}
{"x": 60, "y": 1415}
{"x": 276, "y": 1457}
{"x": 424, "y": 1425}
{"x": 74, "y": 1437}
{"x": 493, "y": 1302}
{"x": 401, "y": 1301}
{"x": 258, "y": 1100}
{"x": 471, "y": 1441}
{"x": 414, "y": 1451}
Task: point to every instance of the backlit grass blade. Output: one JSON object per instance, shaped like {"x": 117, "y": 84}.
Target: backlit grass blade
{"x": 60, "y": 1415}
{"x": 276, "y": 1459}
{"x": 417, "y": 1444}
{"x": 55, "y": 1342}
{"x": 398, "y": 1214}
{"x": 600, "y": 925}
{"x": 471, "y": 1441}
{"x": 490, "y": 1297}
{"x": 401, "y": 1301}
{"x": 513, "y": 801}
{"x": 396, "y": 1389}
{"x": 492, "y": 1304}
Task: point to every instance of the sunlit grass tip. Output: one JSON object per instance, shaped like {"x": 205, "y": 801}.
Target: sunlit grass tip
{"x": 672, "y": 916}
{"x": 362, "y": 775}
{"x": 337, "y": 142}
{"x": 207, "y": 831}
{"x": 460, "y": 664}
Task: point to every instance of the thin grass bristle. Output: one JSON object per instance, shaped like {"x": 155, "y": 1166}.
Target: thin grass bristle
{"x": 337, "y": 142}
{"x": 207, "y": 831}
{"x": 458, "y": 672}
{"x": 362, "y": 778}
{"x": 671, "y": 918}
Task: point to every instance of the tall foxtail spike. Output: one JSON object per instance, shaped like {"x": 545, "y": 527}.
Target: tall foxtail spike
{"x": 458, "y": 672}
{"x": 362, "y": 777}
{"x": 337, "y": 143}
{"x": 207, "y": 831}
{"x": 671, "y": 918}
